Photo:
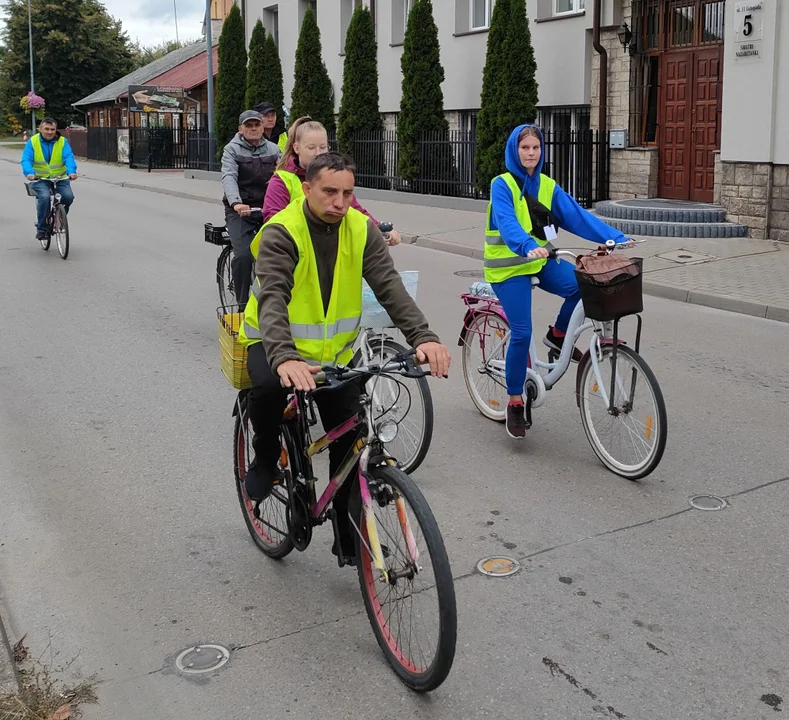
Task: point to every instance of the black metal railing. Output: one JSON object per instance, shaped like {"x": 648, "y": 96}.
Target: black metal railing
{"x": 576, "y": 159}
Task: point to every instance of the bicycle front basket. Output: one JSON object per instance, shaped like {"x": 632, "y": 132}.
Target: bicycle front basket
{"x": 373, "y": 314}
{"x": 611, "y": 295}
{"x": 216, "y": 235}
{"x": 29, "y": 189}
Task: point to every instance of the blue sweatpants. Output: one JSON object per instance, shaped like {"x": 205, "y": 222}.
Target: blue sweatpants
{"x": 557, "y": 278}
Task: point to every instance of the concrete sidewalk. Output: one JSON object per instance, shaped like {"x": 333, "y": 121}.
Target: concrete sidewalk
{"x": 740, "y": 275}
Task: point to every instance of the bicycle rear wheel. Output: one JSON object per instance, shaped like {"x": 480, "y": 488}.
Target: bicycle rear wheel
{"x": 61, "y": 231}
{"x": 413, "y": 612}
{"x": 631, "y": 440}
{"x": 224, "y": 278}
{"x": 412, "y": 411}
{"x": 269, "y": 527}
{"x": 483, "y": 347}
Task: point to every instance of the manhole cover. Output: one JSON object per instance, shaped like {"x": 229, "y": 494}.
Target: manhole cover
{"x": 686, "y": 256}
{"x": 498, "y": 566}
{"x": 707, "y": 502}
{"x": 202, "y": 659}
{"x": 470, "y": 273}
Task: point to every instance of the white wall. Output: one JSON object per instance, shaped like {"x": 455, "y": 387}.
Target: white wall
{"x": 749, "y": 125}
{"x": 781, "y": 85}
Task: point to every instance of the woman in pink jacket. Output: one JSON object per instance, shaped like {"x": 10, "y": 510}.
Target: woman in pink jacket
{"x": 307, "y": 139}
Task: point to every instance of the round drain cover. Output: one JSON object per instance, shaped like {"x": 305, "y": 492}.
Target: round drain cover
{"x": 202, "y": 659}
{"x": 470, "y": 273}
{"x": 496, "y": 566}
{"x": 707, "y": 502}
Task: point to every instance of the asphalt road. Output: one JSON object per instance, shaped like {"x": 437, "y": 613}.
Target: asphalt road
{"x": 122, "y": 543}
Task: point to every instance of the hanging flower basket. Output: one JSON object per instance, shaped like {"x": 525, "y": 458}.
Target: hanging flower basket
{"x": 32, "y": 103}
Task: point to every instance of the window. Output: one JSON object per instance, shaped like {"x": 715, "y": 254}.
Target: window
{"x": 568, "y": 6}
{"x": 270, "y": 18}
{"x": 480, "y": 13}
{"x": 347, "y": 9}
{"x": 400, "y": 10}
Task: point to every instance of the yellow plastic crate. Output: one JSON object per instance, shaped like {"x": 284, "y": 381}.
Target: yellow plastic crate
{"x": 232, "y": 354}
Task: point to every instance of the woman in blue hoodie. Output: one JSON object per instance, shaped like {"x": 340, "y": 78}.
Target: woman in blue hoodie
{"x": 525, "y": 210}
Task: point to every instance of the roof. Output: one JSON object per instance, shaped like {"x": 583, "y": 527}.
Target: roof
{"x": 187, "y": 75}
{"x": 144, "y": 75}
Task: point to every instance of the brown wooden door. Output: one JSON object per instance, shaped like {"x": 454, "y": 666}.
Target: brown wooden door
{"x": 704, "y": 121}
{"x": 675, "y": 126}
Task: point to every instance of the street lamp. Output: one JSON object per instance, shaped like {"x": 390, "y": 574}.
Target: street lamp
{"x": 624, "y": 34}
{"x": 32, "y": 78}
{"x": 209, "y": 51}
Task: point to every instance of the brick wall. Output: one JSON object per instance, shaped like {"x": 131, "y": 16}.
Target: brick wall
{"x": 634, "y": 173}
{"x": 744, "y": 189}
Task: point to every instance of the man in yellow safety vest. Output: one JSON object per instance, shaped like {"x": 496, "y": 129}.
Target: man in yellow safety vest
{"x": 305, "y": 311}
{"x": 48, "y": 156}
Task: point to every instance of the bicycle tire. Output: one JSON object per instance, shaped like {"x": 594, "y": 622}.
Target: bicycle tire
{"x": 653, "y": 460}
{"x": 439, "y": 668}
{"x": 470, "y": 370}
{"x": 62, "y": 235}
{"x": 258, "y": 532}
{"x": 392, "y": 348}
{"x": 224, "y": 278}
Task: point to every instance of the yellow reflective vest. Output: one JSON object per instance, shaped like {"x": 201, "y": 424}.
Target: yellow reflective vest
{"x": 500, "y": 263}
{"x": 282, "y": 141}
{"x": 55, "y": 168}
{"x": 321, "y": 338}
{"x": 293, "y": 182}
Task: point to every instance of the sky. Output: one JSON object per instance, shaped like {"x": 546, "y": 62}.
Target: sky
{"x": 152, "y": 21}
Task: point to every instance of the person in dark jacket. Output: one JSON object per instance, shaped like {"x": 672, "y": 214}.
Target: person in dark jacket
{"x": 248, "y": 162}
{"x": 273, "y": 130}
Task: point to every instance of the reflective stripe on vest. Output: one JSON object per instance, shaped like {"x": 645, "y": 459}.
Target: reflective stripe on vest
{"x": 320, "y": 338}
{"x": 55, "y": 167}
{"x": 500, "y": 263}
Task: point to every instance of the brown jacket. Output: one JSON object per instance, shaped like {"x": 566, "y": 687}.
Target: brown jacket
{"x": 276, "y": 262}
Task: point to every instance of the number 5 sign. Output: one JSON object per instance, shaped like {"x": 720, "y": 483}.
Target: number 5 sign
{"x": 749, "y": 25}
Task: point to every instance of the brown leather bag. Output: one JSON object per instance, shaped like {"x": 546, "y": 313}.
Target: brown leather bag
{"x": 601, "y": 268}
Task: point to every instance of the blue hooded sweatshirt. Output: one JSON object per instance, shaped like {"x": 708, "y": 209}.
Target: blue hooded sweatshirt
{"x": 28, "y": 156}
{"x": 569, "y": 214}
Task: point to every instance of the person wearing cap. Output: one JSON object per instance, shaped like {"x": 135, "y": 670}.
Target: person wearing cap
{"x": 274, "y": 132}
{"x": 248, "y": 162}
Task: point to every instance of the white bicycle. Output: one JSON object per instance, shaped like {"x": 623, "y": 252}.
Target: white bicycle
{"x": 622, "y": 408}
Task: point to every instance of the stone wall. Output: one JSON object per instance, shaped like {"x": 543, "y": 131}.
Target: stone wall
{"x": 744, "y": 192}
{"x": 633, "y": 173}
{"x": 618, "y": 77}
{"x": 718, "y": 177}
{"x": 779, "y": 216}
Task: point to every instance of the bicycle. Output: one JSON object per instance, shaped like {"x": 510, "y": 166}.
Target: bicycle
{"x": 57, "y": 218}
{"x": 218, "y": 235}
{"x": 390, "y": 549}
{"x": 484, "y": 339}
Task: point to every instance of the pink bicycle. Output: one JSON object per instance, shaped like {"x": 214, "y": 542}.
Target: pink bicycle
{"x": 404, "y": 572}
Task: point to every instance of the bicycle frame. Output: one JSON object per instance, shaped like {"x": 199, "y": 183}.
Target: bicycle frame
{"x": 361, "y": 452}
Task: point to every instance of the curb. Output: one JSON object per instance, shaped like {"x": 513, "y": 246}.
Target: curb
{"x": 667, "y": 292}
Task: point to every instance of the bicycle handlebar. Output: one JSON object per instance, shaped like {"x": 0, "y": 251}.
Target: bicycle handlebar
{"x": 610, "y": 246}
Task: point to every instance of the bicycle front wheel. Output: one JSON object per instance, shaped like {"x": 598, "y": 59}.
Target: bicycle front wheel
{"x": 484, "y": 354}
{"x": 224, "y": 278}
{"x": 269, "y": 526}
{"x": 412, "y": 411}
{"x": 61, "y": 231}
{"x": 413, "y": 611}
{"x": 630, "y": 438}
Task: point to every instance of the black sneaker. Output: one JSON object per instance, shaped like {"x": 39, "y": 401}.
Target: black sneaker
{"x": 260, "y": 481}
{"x": 516, "y": 421}
{"x": 556, "y": 343}
{"x": 41, "y": 236}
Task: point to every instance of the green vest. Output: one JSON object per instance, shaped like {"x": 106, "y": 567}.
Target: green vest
{"x": 55, "y": 168}
{"x": 500, "y": 263}
{"x": 293, "y": 182}
{"x": 321, "y": 338}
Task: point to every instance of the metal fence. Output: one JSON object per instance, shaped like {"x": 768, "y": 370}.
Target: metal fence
{"x": 577, "y": 159}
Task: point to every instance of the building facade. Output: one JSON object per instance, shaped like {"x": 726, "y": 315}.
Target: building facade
{"x": 697, "y": 91}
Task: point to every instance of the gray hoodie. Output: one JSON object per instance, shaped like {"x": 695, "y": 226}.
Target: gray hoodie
{"x": 246, "y": 170}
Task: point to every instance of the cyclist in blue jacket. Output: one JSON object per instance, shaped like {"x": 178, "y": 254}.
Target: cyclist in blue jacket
{"x": 526, "y": 209}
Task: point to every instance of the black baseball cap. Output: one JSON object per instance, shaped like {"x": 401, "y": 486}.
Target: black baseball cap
{"x": 265, "y": 108}
{"x": 248, "y": 115}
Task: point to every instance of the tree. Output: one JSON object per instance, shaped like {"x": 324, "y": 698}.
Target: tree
{"x": 256, "y": 69}
{"x": 78, "y": 48}
{"x": 145, "y": 55}
{"x": 230, "y": 78}
{"x": 312, "y": 90}
{"x": 491, "y": 136}
{"x": 271, "y": 84}
{"x": 509, "y": 87}
{"x": 359, "y": 111}
{"x": 422, "y": 129}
